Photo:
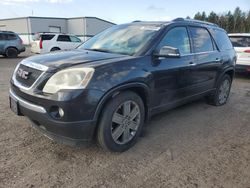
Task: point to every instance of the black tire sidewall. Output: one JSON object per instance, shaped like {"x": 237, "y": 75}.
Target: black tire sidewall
{"x": 11, "y": 53}
{"x": 104, "y": 129}
{"x": 225, "y": 77}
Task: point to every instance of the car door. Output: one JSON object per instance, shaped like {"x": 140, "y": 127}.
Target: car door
{"x": 75, "y": 41}
{"x": 207, "y": 60}
{"x": 171, "y": 74}
{"x": 2, "y": 42}
{"x": 64, "y": 42}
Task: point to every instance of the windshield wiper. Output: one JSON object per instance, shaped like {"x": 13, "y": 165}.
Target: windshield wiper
{"x": 106, "y": 51}
{"x": 99, "y": 50}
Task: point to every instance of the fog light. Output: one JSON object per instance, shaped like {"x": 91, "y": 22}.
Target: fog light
{"x": 56, "y": 112}
{"x": 61, "y": 112}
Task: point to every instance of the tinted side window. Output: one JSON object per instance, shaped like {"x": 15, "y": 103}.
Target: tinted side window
{"x": 63, "y": 38}
{"x": 248, "y": 41}
{"x": 221, "y": 39}
{"x": 202, "y": 41}
{"x": 177, "y": 38}
{"x": 74, "y": 39}
{"x": 11, "y": 37}
{"x": 47, "y": 37}
{"x": 2, "y": 36}
{"x": 240, "y": 41}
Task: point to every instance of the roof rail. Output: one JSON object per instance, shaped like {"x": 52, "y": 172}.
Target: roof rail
{"x": 195, "y": 21}
{"x": 178, "y": 19}
{"x": 7, "y": 31}
{"x": 136, "y": 21}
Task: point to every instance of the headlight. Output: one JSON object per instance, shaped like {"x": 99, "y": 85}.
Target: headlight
{"x": 74, "y": 78}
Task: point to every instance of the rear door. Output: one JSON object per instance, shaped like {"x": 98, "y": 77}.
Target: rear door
{"x": 207, "y": 60}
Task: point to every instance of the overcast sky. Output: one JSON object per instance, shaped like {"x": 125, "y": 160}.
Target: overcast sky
{"x": 117, "y": 11}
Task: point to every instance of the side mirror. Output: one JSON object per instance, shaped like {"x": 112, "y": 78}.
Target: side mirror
{"x": 168, "y": 51}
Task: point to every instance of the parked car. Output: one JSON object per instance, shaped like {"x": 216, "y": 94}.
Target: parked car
{"x": 109, "y": 86}
{"x": 48, "y": 42}
{"x": 241, "y": 43}
{"x": 10, "y": 44}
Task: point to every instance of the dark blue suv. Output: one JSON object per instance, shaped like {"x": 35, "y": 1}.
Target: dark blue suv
{"x": 10, "y": 44}
{"x": 113, "y": 83}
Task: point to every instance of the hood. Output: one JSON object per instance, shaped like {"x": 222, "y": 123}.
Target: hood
{"x": 64, "y": 59}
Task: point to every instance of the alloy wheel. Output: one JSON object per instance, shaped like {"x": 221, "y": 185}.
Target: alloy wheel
{"x": 224, "y": 91}
{"x": 125, "y": 122}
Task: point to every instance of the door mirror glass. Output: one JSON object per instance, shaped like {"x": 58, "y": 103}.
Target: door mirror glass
{"x": 168, "y": 51}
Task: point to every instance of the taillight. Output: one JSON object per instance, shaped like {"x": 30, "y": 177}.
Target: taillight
{"x": 41, "y": 44}
{"x": 247, "y": 51}
{"x": 21, "y": 41}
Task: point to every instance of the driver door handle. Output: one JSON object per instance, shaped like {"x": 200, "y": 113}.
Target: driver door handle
{"x": 192, "y": 63}
{"x": 217, "y": 60}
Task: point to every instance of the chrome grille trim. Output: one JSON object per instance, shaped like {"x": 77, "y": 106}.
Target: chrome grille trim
{"x": 31, "y": 65}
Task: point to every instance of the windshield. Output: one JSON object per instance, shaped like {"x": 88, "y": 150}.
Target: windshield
{"x": 122, "y": 39}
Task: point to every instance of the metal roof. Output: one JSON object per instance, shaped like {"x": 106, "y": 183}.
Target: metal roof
{"x": 37, "y": 17}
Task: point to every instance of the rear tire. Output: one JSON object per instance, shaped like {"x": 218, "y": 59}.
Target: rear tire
{"x": 55, "y": 49}
{"x": 11, "y": 53}
{"x": 222, "y": 92}
{"x": 121, "y": 122}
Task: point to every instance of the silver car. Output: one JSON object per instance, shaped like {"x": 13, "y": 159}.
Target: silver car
{"x": 10, "y": 44}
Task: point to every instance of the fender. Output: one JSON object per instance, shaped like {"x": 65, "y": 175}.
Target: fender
{"x": 231, "y": 68}
{"x": 115, "y": 91}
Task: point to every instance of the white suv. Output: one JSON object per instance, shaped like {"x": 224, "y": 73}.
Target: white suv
{"x": 241, "y": 43}
{"x": 48, "y": 42}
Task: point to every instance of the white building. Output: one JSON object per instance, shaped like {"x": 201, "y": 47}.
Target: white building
{"x": 26, "y": 27}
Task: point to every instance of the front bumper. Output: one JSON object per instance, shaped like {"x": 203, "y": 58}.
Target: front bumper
{"x": 70, "y": 133}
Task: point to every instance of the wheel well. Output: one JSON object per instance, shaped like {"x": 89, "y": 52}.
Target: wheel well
{"x": 230, "y": 73}
{"x": 55, "y": 48}
{"x": 11, "y": 47}
{"x": 140, "y": 91}
{"x": 144, "y": 96}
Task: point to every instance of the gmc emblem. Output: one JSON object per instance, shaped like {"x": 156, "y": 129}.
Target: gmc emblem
{"x": 23, "y": 74}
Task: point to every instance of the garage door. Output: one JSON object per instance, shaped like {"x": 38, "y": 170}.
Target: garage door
{"x": 54, "y": 29}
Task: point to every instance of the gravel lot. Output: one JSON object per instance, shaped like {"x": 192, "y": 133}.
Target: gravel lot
{"x": 196, "y": 145}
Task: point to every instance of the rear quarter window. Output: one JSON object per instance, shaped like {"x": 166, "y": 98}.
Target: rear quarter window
{"x": 47, "y": 37}
{"x": 222, "y": 40}
{"x": 63, "y": 38}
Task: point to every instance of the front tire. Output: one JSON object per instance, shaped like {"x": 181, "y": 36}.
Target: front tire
{"x": 121, "y": 122}
{"x": 222, "y": 92}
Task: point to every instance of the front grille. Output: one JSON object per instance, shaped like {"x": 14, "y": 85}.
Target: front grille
{"x": 32, "y": 76}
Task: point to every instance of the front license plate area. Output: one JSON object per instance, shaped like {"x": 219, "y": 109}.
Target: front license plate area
{"x": 14, "y": 106}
